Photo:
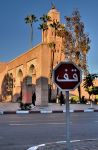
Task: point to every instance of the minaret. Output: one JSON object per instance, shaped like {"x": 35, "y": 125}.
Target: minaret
{"x": 55, "y": 16}
{"x": 49, "y": 35}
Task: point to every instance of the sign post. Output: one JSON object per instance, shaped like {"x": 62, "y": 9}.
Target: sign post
{"x": 67, "y": 122}
{"x": 67, "y": 76}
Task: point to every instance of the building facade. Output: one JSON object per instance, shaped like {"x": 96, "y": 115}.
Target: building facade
{"x": 31, "y": 71}
{"x": 31, "y": 68}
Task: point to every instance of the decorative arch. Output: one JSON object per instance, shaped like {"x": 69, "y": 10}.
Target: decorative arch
{"x": 19, "y": 77}
{"x": 32, "y": 73}
{"x": 32, "y": 70}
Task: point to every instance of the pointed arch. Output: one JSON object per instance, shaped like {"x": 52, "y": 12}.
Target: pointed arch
{"x": 19, "y": 77}
{"x": 32, "y": 73}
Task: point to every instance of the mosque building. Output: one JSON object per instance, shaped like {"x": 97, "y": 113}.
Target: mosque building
{"x": 30, "y": 71}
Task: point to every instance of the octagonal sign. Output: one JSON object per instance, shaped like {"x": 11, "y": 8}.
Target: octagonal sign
{"x": 67, "y": 76}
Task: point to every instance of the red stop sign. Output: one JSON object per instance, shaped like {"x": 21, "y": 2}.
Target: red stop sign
{"x": 67, "y": 76}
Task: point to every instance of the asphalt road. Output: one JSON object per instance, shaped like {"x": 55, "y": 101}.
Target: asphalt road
{"x": 19, "y": 132}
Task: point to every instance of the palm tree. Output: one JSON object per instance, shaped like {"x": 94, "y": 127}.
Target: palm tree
{"x": 55, "y": 25}
{"x": 30, "y": 20}
{"x": 89, "y": 83}
{"x": 44, "y": 27}
{"x": 45, "y": 18}
{"x": 52, "y": 47}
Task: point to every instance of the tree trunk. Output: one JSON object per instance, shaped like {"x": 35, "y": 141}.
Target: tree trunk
{"x": 43, "y": 36}
{"x": 31, "y": 35}
{"x": 51, "y": 69}
{"x": 49, "y": 92}
{"x": 79, "y": 92}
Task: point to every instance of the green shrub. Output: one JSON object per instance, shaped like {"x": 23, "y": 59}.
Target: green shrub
{"x": 96, "y": 99}
{"x": 74, "y": 99}
{"x": 25, "y": 106}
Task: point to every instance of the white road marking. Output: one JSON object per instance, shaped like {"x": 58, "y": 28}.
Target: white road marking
{"x": 36, "y": 147}
{"x": 24, "y": 124}
{"x": 14, "y": 121}
{"x": 33, "y": 148}
{"x": 20, "y": 124}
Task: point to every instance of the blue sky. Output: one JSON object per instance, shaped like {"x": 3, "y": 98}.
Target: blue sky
{"x": 14, "y": 33}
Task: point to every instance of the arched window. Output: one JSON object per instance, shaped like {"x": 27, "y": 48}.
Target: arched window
{"x": 32, "y": 70}
{"x": 19, "y": 76}
{"x": 32, "y": 73}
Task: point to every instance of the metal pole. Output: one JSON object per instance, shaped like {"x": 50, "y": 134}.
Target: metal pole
{"x": 68, "y": 144}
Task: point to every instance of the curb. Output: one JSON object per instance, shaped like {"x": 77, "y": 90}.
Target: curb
{"x": 36, "y": 147}
{"x": 58, "y": 142}
{"x": 46, "y": 111}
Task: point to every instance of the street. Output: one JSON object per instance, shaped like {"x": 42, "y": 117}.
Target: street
{"x": 20, "y": 132}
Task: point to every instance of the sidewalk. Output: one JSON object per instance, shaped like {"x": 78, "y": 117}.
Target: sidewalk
{"x": 13, "y": 108}
{"x": 75, "y": 145}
